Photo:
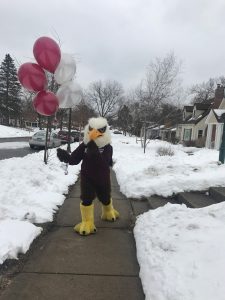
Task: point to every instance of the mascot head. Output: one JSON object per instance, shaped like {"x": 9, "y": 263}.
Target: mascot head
{"x": 99, "y": 129}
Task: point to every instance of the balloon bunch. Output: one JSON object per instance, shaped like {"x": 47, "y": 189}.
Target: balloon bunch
{"x": 32, "y": 76}
{"x": 69, "y": 93}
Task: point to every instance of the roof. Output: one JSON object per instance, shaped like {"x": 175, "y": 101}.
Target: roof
{"x": 169, "y": 129}
{"x": 197, "y": 119}
{"x": 219, "y": 114}
{"x": 202, "y": 106}
{"x": 214, "y": 116}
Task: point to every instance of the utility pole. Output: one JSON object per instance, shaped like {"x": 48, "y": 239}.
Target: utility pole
{"x": 145, "y": 134}
{"x": 46, "y": 141}
{"x": 69, "y": 131}
{"x": 222, "y": 146}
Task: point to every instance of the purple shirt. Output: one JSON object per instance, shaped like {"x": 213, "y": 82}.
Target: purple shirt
{"x": 95, "y": 166}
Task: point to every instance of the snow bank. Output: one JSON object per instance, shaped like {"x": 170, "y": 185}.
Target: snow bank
{"x": 140, "y": 174}
{"x": 181, "y": 252}
{"x": 16, "y": 237}
{"x": 30, "y": 193}
{"x": 6, "y": 131}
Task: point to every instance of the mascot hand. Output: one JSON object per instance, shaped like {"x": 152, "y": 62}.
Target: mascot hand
{"x": 63, "y": 155}
{"x": 92, "y": 148}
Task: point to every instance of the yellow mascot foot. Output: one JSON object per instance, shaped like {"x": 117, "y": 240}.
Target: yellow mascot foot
{"x": 109, "y": 213}
{"x": 87, "y": 225}
{"x": 85, "y": 228}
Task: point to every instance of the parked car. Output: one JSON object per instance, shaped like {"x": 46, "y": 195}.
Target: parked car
{"x": 117, "y": 132}
{"x": 63, "y": 135}
{"x": 38, "y": 140}
{"x": 76, "y": 135}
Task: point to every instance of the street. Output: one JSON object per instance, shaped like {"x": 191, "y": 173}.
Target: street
{"x": 19, "y": 152}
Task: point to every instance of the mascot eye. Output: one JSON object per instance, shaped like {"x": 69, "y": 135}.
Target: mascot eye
{"x": 90, "y": 128}
{"x": 102, "y": 130}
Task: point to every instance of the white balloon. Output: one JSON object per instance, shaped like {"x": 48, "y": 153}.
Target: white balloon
{"x": 69, "y": 95}
{"x": 66, "y": 69}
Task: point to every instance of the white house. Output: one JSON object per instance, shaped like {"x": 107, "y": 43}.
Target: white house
{"x": 215, "y": 121}
{"x": 193, "y": 128}
{"x": 203, "y": 122}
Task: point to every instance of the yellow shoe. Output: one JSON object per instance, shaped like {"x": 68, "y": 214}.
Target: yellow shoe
{"x": 109, "y": 213}
{"x": 87, "y": 225}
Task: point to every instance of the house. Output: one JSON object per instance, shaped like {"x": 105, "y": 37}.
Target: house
{"x": 168, "y": 134}
{"x": 161, "y": 132}
{"x": 154, "y": 131}
{"x": 8, "y": 118}
{"x": 203, "y": 122}
{"x": 193, "y": 128}
{"x": 215, "y": 120}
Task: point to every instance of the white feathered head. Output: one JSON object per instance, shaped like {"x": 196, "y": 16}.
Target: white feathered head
{"x": 99, "y": 128}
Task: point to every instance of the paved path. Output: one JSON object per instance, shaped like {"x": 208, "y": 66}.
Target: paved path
{"x": 67, "y": 266}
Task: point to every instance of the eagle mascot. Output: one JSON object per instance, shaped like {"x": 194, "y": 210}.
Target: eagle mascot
{"x": 96, "y": 155}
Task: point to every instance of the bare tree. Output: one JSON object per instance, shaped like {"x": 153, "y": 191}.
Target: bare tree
{"x": 105, "y": 97}
{"x": 28, "y": 112}
{"x": 81, "y": 113}
{"x": 124, "y": 119}
{"x": 205, "y": 91}
{"x": 160, "y": 85}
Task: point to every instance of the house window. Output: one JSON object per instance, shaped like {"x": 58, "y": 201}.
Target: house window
{"x": 187, "y": 134}
{"x": 34, "y": 124}
{"x": 200, "y": 134}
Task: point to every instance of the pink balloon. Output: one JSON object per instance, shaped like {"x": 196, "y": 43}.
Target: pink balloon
{"x": 47, "y": 53}
{"x": 32, "y": 77}
{"x": 46, "y": 103}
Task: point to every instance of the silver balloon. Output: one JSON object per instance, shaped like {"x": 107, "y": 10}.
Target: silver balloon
{"x": 69, "y": 95}
{"x": 66, "y": 69}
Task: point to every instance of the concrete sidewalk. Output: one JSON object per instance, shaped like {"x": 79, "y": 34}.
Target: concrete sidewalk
{"x": 65, "y": 265}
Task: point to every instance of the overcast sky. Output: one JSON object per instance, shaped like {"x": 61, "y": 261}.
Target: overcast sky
{"x": 116, "y": 39}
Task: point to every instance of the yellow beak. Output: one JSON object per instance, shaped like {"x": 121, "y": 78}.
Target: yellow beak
{"x": 94, "y": 134}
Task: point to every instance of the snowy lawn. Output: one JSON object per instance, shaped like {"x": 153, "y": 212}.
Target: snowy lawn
{"x": 140, "y": 174}
{"x": 181, "y": 252}
{"x": 30, "y": 193}
{"x": 6, "y": 132}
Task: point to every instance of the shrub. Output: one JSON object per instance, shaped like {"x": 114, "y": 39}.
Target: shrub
{"x": 165, "y": 151}
{"x": 189, "y": 143}
{"x": 200, "y": 143}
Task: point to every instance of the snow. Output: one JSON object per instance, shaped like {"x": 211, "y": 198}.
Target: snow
{"x": 6, "y": 131}
{"x": 31, "y": 192}
{"x": 219, "y": 112}
{"x": 16, "y": 237}
{"x": 140, "y": 174}
{"x": 180, "y": 250}
{"x": 13, "y": 145}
